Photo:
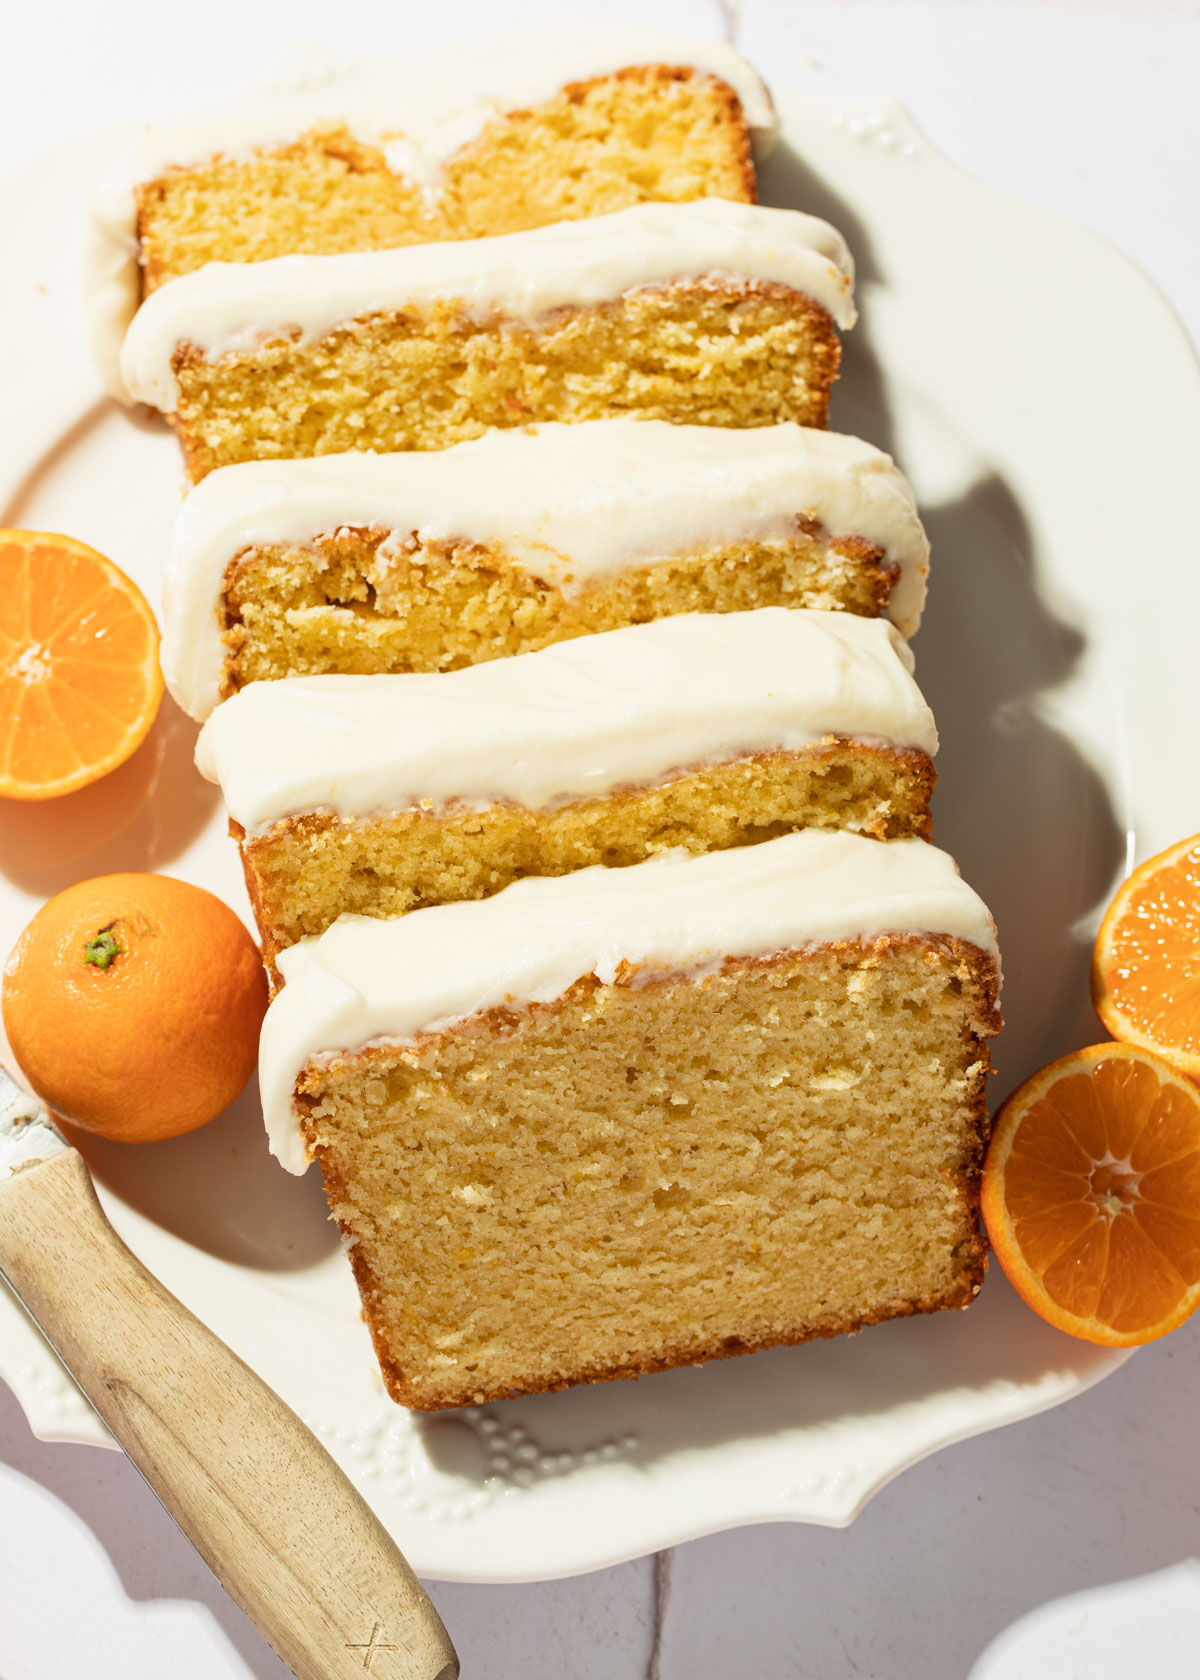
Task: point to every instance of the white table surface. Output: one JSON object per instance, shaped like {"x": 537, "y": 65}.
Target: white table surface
{"x": 1065, "y": 1546}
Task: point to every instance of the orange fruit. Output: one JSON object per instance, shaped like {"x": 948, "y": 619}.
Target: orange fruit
{"x": 1091, "y": 1194}
{"x": 133, "y": 1004}
{"x": 1146, "y": 961}
{"x": 80, "y": 681}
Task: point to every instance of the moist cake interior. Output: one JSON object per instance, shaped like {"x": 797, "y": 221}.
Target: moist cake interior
{"x": 304, "y": 872}
{"x": 651, "y": 133}
{"x": 663, "y": 1171}
{"x": 344, "y": 607}
{"x": 708, "y": 352}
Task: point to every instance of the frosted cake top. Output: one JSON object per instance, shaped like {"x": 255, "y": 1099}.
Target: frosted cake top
{"x": 631, "y": 707}
{"x": 418, "y": 110}
{"x": 365, "y": 981}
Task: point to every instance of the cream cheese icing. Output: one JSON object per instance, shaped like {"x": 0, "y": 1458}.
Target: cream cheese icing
{"x": 571, "y": 722}
{"x": 568, "y": 503}
{"x": 365, "y": 980}
{"x": 419, "y": 110}
{"x": 226, "y": 308}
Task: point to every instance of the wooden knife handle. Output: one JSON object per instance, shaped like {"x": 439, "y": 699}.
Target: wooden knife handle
{"x": 261, "y": 1500}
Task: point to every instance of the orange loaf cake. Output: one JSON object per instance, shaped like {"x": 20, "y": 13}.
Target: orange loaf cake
{"x": 513, "y": 132}
{"x": 715, "y": 313}
{"x": 626, "y": 1119}
{"x": 366, "y": 563}
{"x": 380, "y": 795}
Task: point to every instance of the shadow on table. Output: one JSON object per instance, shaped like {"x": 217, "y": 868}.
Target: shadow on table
{"x": 151, "y": 1558}
{"x": 939, "y": 1576}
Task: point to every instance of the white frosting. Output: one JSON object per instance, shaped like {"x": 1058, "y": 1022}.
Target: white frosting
{"x": 366, "y": 980}
{"x": 418, "y": 110}
{"x": 571, "y": 722}
{"x": 568, "y": 503}
{"x": 233, "y": 307}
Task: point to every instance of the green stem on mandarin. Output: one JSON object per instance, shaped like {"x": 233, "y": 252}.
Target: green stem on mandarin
{"x": 103, "y": 947}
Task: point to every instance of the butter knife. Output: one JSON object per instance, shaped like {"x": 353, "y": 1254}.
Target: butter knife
{"x": 280, "y": 1525}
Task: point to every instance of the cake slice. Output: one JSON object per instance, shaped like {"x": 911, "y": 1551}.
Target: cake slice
{"x": 628, "y": 1119}
{"x": 379, "y": 795}
{"x": 512, "y": 132}
{"x": 363, "y": 563}
{"x": 717, "y": 313}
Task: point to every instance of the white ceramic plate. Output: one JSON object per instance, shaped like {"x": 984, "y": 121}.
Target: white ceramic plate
{"x": 1047, "y": 407}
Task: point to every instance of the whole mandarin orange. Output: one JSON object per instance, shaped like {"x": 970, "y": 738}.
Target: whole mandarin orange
{"x": 133, "y": 1004}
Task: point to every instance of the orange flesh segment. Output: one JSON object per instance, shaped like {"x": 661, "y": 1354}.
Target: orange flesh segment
{"x": 1148, "y": 956}
{"x": 79, "y": 676}
{"x": 1095, "y": 1210}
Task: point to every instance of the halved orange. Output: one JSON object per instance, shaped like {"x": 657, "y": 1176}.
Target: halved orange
{"x": 1091, "y": 1194}
{"x": 80, "y": 682}
{"x": 1146, "y": 961}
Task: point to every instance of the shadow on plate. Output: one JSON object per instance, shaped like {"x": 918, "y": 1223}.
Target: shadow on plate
{"x": 221, "y": 1190}
{"x": 141, "y": 817}
{"x": 859, "y": 404}
{"x": 1028, "y": 819}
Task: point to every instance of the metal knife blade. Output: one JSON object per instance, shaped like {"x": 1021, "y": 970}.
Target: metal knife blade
{"x": 27, "y": 1133}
